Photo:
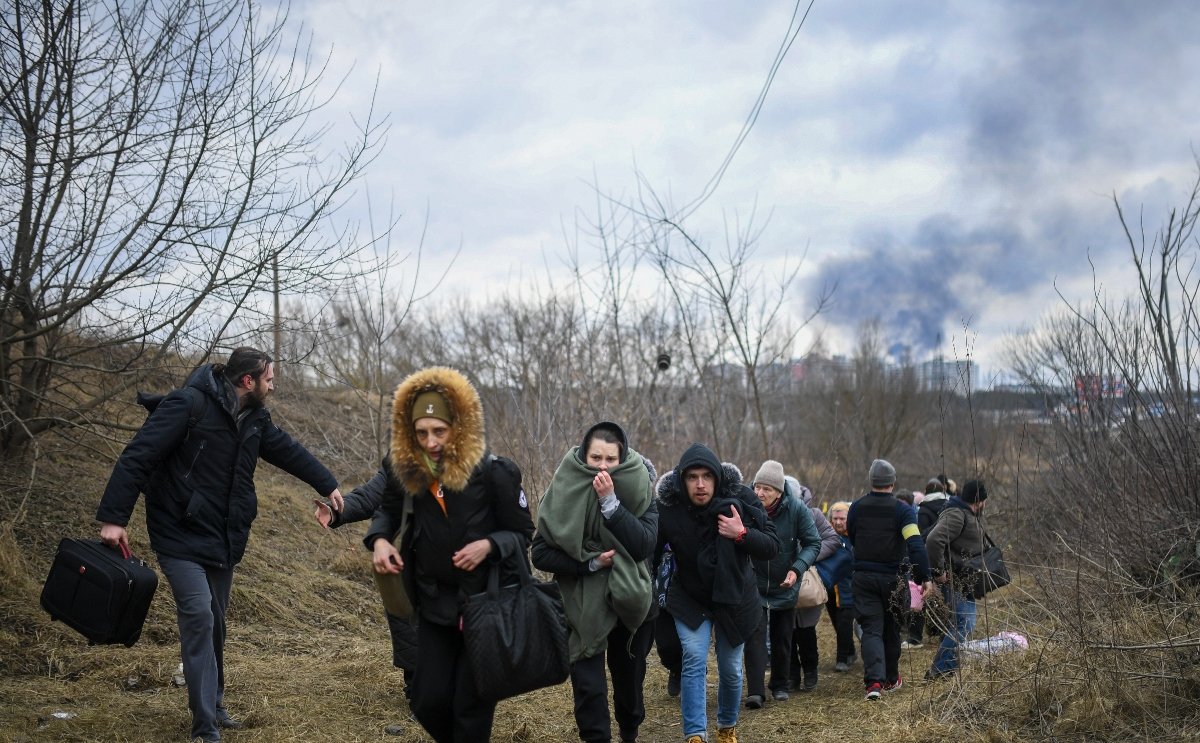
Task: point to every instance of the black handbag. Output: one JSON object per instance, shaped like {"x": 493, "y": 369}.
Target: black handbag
{"x": 515, "y": 636}
{"x": 986, "y": 571}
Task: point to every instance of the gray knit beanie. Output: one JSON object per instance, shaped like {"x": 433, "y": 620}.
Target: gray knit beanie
{"x": 882, "y": 474}
{"x": 771, "y": 473}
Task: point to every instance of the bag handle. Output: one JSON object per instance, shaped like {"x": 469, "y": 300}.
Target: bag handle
{"x": 522, "y": 569}
{"x": 987, "y": 541}
{"x": 406, "y": 510}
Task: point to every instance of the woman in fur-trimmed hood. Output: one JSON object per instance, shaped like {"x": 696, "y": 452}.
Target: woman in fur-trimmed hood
{"x": 461, "y": 454}
{"x": 468, "y": 512}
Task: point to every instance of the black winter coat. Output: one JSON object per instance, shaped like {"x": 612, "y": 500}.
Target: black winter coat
{"x": 686, "y": 527}
{"x": 492, "y": 506}
{"x": 929, "y": 511}
{"x": 199, "y": 481}
{"x": 361, "y": 503}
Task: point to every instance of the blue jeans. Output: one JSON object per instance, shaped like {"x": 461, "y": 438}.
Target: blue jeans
{"x": 693, "y": 680}
{"x": 946, "y": 658}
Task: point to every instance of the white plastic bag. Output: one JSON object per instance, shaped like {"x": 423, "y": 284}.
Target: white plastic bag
{"x": 1003, "y": 642}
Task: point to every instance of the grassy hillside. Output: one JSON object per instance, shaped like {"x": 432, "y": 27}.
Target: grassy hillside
{"x": 308, "y": 656}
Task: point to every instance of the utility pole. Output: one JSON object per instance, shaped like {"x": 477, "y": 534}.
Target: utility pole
{"x": 278, "y": 330}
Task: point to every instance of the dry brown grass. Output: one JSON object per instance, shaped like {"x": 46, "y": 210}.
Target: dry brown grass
{"x": 308, "y": 656}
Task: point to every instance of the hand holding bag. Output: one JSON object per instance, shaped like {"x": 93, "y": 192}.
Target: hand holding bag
{"x": 986, "y": 571}
{"x": 515, "y": 636}
{"x": 916, "y": 598}
{"x": 812, "y": 590}
{"x": 391, "y": 585}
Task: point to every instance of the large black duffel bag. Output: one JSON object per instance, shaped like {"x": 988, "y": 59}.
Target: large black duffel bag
{"x": 101, "y": 592}
{"x": 515, "y": 636}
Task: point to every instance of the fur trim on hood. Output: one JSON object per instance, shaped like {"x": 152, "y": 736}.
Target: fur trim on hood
{"x": 801, "y": 492}
{"x": 670, "y": 490}
{"x": 467, "y": 445}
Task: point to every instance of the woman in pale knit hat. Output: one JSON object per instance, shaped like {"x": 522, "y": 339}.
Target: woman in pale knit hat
{"x": 778, "y": 583}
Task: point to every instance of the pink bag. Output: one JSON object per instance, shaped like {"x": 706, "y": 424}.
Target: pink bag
{"x": 915, "y": 597}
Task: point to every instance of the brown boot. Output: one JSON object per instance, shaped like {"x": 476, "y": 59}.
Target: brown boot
{"x": 726, "y": 735}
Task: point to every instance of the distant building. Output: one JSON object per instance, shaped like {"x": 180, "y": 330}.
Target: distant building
{"x": 955, "y": 375}
{"x": 1099, "y": 387}
{"x": 936, "y": 374}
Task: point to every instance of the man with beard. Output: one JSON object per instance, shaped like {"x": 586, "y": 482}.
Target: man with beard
{"x": 715, "y": 526}
{"x": 195, "y": 458}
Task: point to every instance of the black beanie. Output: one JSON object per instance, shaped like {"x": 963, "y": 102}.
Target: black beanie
{"x": 973, "y": 492}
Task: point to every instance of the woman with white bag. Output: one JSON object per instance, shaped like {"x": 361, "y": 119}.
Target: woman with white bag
{"x": 778, "y": 582}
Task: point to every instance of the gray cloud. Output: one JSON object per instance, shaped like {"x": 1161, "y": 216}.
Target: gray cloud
{"x": 1067, "y": 92}
{"x": 962, "y": 151}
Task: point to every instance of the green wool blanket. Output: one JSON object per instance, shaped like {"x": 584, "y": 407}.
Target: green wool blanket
{"x": 569, "y": 520}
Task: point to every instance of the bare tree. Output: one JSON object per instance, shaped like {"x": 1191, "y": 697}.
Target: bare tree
{"x": 729, "y": 292}
{"x": 158, "y": 160}
{"x": 1124, "y": 375}
{"x": 864, "y": 408}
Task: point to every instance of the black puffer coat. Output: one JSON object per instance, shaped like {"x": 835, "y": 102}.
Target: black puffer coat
{"x": 199, "y": 480}
{"x": 691, "y": 532}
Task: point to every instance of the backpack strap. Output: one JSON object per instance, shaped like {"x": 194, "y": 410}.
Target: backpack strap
{"x": 196, "y": 404}
{"x": 196, "y": 400}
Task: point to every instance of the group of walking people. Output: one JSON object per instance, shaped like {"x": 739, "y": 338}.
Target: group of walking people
{"x": 445, "y": 511}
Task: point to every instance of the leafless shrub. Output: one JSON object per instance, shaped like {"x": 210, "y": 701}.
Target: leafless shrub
{"x": 160, "y": 169}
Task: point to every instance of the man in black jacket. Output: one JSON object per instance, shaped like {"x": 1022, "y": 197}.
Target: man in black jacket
{"x": 468, "y": 512}
{"x": 195, "y": 458}
{"x": 715, "y": 526}
{"x": 883, "y": 531}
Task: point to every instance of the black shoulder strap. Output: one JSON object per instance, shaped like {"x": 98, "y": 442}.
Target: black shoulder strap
{"x": 195, "y": 398}
{"x": 196, "y": 409}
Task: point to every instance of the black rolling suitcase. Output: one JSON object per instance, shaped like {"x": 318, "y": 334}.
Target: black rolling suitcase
{"x": 99, "y": 592}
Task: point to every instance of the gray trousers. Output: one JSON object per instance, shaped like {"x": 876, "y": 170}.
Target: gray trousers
{"x": 201, "y": 597}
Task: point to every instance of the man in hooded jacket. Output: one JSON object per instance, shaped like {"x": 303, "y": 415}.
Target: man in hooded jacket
{"x": 715, "y": 526}
{"x": 195, "y": 458}
{"x": 468, "y": 513}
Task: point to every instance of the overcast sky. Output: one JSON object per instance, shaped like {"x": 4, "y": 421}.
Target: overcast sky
{"x": 949, "y": 164}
